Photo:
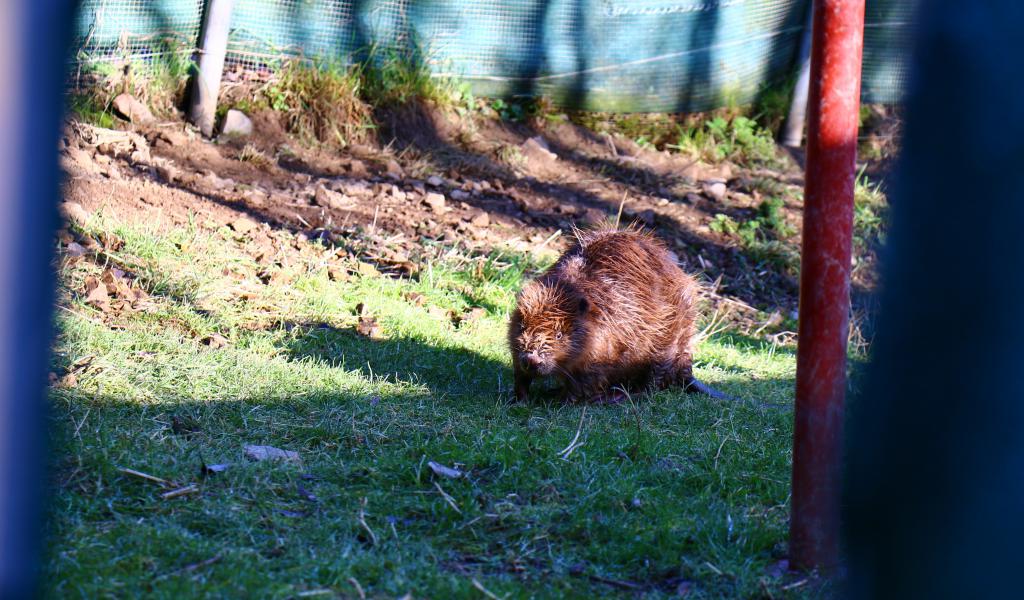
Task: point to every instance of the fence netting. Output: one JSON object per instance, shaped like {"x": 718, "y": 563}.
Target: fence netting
{"x": 608, "y": 55}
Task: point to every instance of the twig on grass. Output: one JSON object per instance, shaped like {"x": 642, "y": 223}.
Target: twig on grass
{"x": 568, "y": 450}
{"x": 795, "y": 584}
{"x": 359, "y": 588}
{"x": 362, "y": 521}
{"x": 447, "y": 498}
{"x": 719, "y": 453}
{"x": 188, "y": 489}
{"x": 484, "y": 590}
{"x": 146, "y": 476}
{"x": 550, "y": 239}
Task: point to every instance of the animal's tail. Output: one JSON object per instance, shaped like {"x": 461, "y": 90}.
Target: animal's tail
{"x": 696, "y": 386}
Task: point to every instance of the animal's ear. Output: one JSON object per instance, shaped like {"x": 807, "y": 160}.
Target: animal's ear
{"x": 583, "y": 306}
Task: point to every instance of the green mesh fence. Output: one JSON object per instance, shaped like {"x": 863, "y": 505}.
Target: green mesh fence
{"x": 609, "y": 55}
{"x": 136, "y": 30}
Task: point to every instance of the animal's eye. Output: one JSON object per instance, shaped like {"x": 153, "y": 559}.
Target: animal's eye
{"x": 558, "y": 335}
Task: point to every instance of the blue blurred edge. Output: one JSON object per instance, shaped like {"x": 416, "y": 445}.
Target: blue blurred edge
{"x": 33, "y": 54}
{"x": 934, "y": 488}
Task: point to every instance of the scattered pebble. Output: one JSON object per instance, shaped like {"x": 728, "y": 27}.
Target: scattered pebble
{"x": 258, "y": 453}
{"x": 131, "y": 109}
{"x": 435, "y": 201}
{"x": 236, "y": 124}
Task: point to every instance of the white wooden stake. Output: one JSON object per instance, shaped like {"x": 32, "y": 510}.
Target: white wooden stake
{"x": 212, "y": 47}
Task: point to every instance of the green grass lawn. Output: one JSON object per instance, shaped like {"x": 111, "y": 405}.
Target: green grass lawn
{"x": 664, "y": 496}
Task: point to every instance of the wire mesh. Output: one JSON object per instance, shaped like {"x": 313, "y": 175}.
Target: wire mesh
{"x": 610, "y": 55}
{"x": 141, "y": 30}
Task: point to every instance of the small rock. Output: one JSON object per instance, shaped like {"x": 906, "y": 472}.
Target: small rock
{"x": 357, "y": 168}
{"x": 243, "y": 225}
{"x": 398, "y": 194}
{"x": 537, "y": 149}
{"x": 435, "y": 201}
{"x": 80, "y": 159}
{"x": 236, "y": 124}
{"x": 74, "y": 250}
{"x": 395, "y": 170}
{"x": 271, "y": 453}
{"x": 358, "y": 189}
{"x": 255, "y": 198}
{"x": 481, "y": 219}
{"x": 217, "y": 183}
{"x": 435, "y": 181}
{"x": 74, "y": 212}
{"x": 329, "y": 199}
{"x": 170, "y": 138}
{"x": 715, "y": 189}
{"x": 647, "y": 217}
{"x": 130, "y": 108}
{"x": 459, "y": 195}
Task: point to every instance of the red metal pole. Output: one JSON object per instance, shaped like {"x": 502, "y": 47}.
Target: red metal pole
{"x": 833, "y": 108}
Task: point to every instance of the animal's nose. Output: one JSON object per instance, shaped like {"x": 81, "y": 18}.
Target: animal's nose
{"x": 531, "y": 358}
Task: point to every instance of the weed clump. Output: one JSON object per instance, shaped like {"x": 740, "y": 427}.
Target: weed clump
{"x": 870, "y": 209}
{"x": 395, "y": 78}
{"x": 761, "y": 237}
{"x": 334, "y": 103}
{"x": 318, "y": 102}
{"x": 739, "y": 139}
{"x": 160, "y": 82}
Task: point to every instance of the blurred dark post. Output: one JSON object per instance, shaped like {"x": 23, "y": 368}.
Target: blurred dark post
{"x": 793, "y": 130}
{"x": 935, "y": 482}
{"x": 833, "y": 107}
{"x": 213, "y": 47}
{"x": 32, "y": 66}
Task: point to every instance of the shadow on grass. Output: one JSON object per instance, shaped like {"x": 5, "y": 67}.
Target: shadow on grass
{"x": 454, "y": 371}
{"x": 443, "y": 370}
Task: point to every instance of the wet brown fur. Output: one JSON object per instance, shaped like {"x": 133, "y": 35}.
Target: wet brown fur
{"x": 625, "y": 311}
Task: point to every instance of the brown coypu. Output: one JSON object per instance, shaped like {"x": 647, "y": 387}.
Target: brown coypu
{"x": 614, "y": 311}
